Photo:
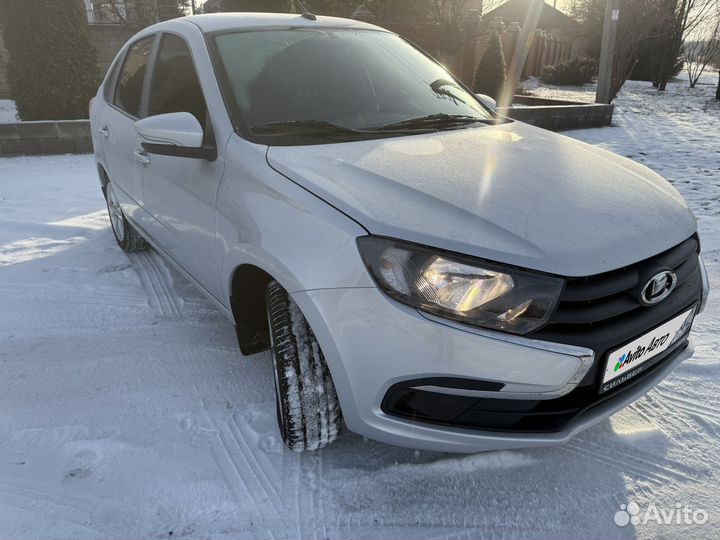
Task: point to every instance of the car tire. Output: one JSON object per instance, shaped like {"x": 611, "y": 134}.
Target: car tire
{"x": 308, "y": 410}
{"x": 127, "y": 237}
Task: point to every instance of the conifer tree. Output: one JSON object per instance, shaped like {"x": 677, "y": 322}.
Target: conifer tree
{"x": 52, "y": 64}
{"x": 490, "y": 75}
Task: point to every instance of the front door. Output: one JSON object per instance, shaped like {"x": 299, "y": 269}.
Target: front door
{"x": 179, "y": 193}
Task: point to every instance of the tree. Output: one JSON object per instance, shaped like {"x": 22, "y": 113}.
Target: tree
{"x": 641, "y": 22}
{"x": 591, "y": 14}
{"x": 683, "y": 17}
{"x": 384, "y": 10}
{"x": 642, "y": 27}
{"x": 52, "y": 65}
{"x": 269, "y": 6}
{"x": 450, "y": 16}
{"x": 698, "y": 55}
{"x": 334, "y": 8}
{"x": 134, "y": 15}
{"x": 701, "y": 52}
{"x": 490, "y": 75}
{"x": 172, "y": 9}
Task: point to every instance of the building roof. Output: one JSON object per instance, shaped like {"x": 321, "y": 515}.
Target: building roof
{"x": 516, "y": 10}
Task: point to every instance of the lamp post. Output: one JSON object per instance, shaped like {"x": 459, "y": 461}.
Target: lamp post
{"x": 607, "y": 51}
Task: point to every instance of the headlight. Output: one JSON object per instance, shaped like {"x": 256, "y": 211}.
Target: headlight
{"x": 461, "y": 288}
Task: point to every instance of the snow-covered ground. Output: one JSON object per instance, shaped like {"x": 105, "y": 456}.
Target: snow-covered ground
{"x": 8, "y": 112}
{"x": 127, "y": 411}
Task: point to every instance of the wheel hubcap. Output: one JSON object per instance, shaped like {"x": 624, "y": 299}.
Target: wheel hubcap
{"x": 116, "y": 216}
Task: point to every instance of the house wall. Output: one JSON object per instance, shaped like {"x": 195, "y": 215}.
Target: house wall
{"x": 108, "y": 39}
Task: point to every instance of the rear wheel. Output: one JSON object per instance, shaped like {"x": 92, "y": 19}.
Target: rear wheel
{"x": 308, "y": 410}
{"x": 126, "y": 235}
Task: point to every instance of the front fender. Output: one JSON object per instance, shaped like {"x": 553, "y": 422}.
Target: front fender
{"x": 267, "y": 220}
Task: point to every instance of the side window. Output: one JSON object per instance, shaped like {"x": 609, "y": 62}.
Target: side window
{"x": 128, "y": 93}
{"x": 175, "y": 85}
{"x": 111, "y": 80}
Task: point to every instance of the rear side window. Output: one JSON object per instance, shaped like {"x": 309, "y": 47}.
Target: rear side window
{"x": 128, "y": 93}
{"x": 175, "y": 84}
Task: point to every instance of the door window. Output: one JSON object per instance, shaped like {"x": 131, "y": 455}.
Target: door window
{"x": 129, "y": 90}
{"x": 175, "y": 84}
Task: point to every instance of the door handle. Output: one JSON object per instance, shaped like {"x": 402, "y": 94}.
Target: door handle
{"x": 104, "y": 131}
{"x": 141, "y": 157}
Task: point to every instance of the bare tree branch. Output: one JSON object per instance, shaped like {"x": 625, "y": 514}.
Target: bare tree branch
{"x": 701, "y": 52}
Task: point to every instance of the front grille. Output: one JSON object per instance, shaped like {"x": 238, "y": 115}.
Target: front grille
{"x": 603, "y": 312}
{"x": 599, "y": 299}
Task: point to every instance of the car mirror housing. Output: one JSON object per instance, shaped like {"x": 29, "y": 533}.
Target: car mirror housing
{"x": 173, "y": 134}
{"x": 486, "y": 100}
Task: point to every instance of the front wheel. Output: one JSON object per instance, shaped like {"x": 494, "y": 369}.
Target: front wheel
{"x": 308, "y": 410}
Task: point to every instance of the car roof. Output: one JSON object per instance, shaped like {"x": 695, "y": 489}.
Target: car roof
{"x": 219, "y": 22}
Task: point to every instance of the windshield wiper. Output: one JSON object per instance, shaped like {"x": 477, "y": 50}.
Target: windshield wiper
{"x": 320, "y": 128}
{"x": 304, "y": 127}
{"x": 437, "y": 121}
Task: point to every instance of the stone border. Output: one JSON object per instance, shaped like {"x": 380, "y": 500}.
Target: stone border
{"x": 557, "y": 115}
{"x": 45, "y": 138}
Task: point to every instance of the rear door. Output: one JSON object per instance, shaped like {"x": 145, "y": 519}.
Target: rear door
{"x": 179, "y": 192}
{"x": 117, "y": 125}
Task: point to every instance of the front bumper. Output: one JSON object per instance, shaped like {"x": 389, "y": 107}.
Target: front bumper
{"x": 372, "y": 343}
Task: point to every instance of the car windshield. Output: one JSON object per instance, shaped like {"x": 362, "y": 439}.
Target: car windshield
{"x": 338, "y": 83}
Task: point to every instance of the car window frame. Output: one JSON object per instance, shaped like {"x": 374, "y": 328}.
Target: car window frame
{"x": 146, "y": 79}
{"x": 231, "y": 107}
{"x": 111, "y": 77}
{"x": 208, "y": 130}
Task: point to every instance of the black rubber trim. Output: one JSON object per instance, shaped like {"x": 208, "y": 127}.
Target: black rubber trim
{"x": 509, "y": 415}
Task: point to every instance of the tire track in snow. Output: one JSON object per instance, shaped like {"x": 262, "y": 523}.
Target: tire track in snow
{"x": 81, "y": 502}
{"x": 612, "y": 463}
{"x": 668, "y": 466}
{"x": 624, "y": 462}
{"x": 15, "y": 506}
{"x": 158, "y": 281}
{"x": 161, "y": 296}
{"x": 231, "y": 474}
{"x": 70, "y": 507}
{"x": 292, "y": 469}
{"x": 321, "y": 507}
{"x": 679, "y": 427}
{"x": 690, "y": 406}
{"x": 269, "y": 486}
{"x": 62, "y": 294}
{"x": 225, "y": 446}
{"x": 312, "y": 492}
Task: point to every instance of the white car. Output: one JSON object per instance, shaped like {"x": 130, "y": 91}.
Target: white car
{"x": 425, "y": 270}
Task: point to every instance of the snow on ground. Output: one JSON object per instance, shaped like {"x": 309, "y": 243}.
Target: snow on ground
{"x": 127, "y": 411}
{"x": 8, "y": 112}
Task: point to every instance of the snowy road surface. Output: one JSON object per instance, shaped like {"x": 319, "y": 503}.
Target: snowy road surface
{"x": 126, "y": 410}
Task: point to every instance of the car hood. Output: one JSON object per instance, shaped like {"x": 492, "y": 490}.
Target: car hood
{"x": 511, "y": 193}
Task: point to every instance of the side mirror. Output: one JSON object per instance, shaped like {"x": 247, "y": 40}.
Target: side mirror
{"x": 489, "y": 102}
{"x": 173, "y": 134}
